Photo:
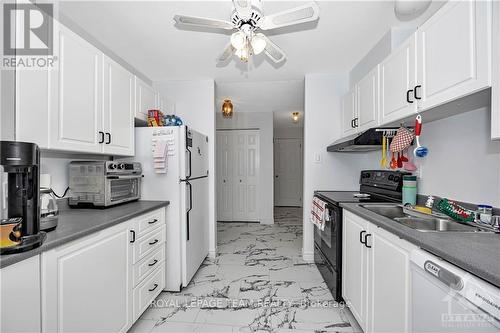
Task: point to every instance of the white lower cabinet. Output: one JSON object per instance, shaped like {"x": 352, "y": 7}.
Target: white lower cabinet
{"x": 86, "y": 285}
{"x": 20, "y": 300}
{"x": 94, "y": 285}
{"x": 376, "y": 276}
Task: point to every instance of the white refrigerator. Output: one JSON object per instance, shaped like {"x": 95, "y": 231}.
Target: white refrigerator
{"x": 182, "y": 180}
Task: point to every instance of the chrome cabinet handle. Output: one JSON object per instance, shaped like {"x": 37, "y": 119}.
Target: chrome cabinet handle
{"x": 153, "y": 242}
{"x": 155, "y": 286}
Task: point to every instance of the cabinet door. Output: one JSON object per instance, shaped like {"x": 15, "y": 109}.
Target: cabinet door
{"x": 225, "y": 175}
{"x": 367, "y": 97}
{"x": 495, "y": 89}
{"x": 76, "y": 99}
{"x": 119, "y": 96}
{"x": 20, "y": 301}
{"x": 389, "y": 280}
{"x": 145, "y": 99}
{"x": 348, "y": 108}
{"x": 397, "y": 78}
{"x": 354, "y": 268}
{"x": 87, "y": 284}
{"x": 454, "y": 52}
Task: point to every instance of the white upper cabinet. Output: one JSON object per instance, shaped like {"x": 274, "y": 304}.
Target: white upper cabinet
{"x": 397, "y": 79}
{"x": 495, "y": 90}
{"x": 76, "y": 98}
{"x": 145, "y": 99}
{"x": 454, "y": 52}
{"x": 367, "y": 98}
{"x": 119, "y": 99}
{"x": 348, "y": 108}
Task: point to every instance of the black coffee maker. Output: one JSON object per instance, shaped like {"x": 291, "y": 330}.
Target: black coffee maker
{"x": 20, "y": 210}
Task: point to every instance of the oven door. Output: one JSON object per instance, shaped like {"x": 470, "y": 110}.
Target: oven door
{"x": 328, "y": 240}
{"x": 122, "y": 189}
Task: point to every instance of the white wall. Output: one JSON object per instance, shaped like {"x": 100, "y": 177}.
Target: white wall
{"x": 335, "y": 171}
{"x": 264, "y": 122}
{"x": 194, "y": 103}
{"x": 463, "y": 163}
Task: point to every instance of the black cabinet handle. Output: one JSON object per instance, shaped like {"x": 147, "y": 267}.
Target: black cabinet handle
{"x": 356, "y": 122}
{"x": 153, "y": 263}
{"x": 155, "y": 286}
{"x": 416, "y": 90}
{"x": 361, "y": 233}
{"x": 153, "y": 221}
{"x": 153, "y": 242}
{"x": 408, "y": 96}
{"x": 101, "y": 134}
{"x": 133, "y": 236}
{"x": 109, "y": 138}
{"x": 352, "y": 123}
{"x": 366, "y": 241}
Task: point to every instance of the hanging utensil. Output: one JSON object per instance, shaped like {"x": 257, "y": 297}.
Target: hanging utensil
{"x": 420, "y": 151}
{"x": 403, "y": 157}
{"x": 383, "y": 161}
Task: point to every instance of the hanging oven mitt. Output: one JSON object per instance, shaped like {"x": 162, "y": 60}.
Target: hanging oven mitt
{"x": 402, "y": 140}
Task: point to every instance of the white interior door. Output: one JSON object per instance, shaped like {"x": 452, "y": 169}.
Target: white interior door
{"x": 288, "y": 172}
{"x": 238, "y": 175}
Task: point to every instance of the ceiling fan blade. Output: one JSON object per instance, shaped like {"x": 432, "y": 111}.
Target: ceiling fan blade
{"x": 273, "y": 51}
{"x": 297, "y": 15}
{"x": 243, "y": 8}
{"x": 203, "y": 22}
{"x": 228, "y": 52}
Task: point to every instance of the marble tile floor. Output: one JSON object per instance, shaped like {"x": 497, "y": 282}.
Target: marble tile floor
{"x": 257, "y": 283}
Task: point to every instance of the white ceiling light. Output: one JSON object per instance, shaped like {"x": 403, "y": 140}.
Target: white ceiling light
{"x": 407, "y": 10}
{"x": 238, "y": 40}
{"x": 295, "y": 117}
{"x": 258, "y": 43}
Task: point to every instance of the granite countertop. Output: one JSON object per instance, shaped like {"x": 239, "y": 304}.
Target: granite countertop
{"x": 75, "y": 223}
{"x": 476, "y": 253}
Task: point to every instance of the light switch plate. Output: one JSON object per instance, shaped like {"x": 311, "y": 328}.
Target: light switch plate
{"x": 317, "y": 158}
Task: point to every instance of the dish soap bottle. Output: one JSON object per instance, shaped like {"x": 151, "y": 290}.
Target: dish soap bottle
{"x": 410, "y": 190}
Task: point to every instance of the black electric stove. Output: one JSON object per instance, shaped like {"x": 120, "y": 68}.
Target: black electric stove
{"x": 376, "y": 186}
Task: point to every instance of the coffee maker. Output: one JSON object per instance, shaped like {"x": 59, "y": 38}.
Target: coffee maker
{"x": 20, "y": 202}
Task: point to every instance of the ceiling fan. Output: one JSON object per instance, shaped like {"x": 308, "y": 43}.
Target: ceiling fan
{"x": 247, "y": 20}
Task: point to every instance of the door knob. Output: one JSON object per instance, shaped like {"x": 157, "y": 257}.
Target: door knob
{"x": 276, "y": 176}
{"x": 240, "y": 180}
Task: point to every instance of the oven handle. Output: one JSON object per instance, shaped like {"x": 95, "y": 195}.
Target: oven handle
{"x": 124, "y": 177}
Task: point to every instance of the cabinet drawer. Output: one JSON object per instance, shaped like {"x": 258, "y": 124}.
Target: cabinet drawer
{"x": 148, "y": 222}
{"x": 147, "y": 291}
{"x": 148, "y": 264}
{"x": 148, "y": 243}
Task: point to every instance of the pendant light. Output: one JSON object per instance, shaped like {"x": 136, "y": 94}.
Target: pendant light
{"x": 227, "y": 108}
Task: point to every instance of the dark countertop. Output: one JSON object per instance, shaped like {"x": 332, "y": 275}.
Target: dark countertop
{"x": 476, "y": 253}
{"x": 75, "y": 223}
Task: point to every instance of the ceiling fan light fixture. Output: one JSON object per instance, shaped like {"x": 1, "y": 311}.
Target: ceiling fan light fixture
{"x": 295, "y": 117}
{"x": 238, "y": 40}
{"x": 258, "y": 43}
{"x": 227, "y": 108}
{"x": 243, "y": 54}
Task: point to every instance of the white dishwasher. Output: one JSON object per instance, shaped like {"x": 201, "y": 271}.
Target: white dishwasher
{"x": 445, "y": 298}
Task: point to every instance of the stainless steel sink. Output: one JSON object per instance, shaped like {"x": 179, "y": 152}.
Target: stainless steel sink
{"x": 433, "y": 224}
{"x": 424, "y": 224}
{"x": 389, "y": 211}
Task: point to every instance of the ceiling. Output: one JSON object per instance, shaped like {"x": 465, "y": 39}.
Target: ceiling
{"x": 144, "y": 35}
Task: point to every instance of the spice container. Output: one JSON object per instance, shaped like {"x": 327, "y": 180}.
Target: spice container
{"x": 484, "y": 213}
{"x": 410, "y": 190}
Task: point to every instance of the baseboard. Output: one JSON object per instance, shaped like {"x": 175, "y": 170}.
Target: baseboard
{"x": 212, "y": 254}
{"x": 308, "y": 256}
{"x": 267, "y": 221}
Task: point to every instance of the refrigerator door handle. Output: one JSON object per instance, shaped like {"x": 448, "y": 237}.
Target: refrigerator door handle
{"x": 188, "y": 184}
{"x": 189, "y": 153}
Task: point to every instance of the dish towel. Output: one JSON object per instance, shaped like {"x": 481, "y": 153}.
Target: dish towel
{"x": 318, "y": 213}
{"x": 160, "y": 156}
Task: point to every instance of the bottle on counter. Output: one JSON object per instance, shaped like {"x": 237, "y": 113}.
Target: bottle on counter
{"x": 410, "y": 190}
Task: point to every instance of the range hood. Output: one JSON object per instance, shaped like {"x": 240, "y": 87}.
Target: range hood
{"x": 369, "y": 140}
